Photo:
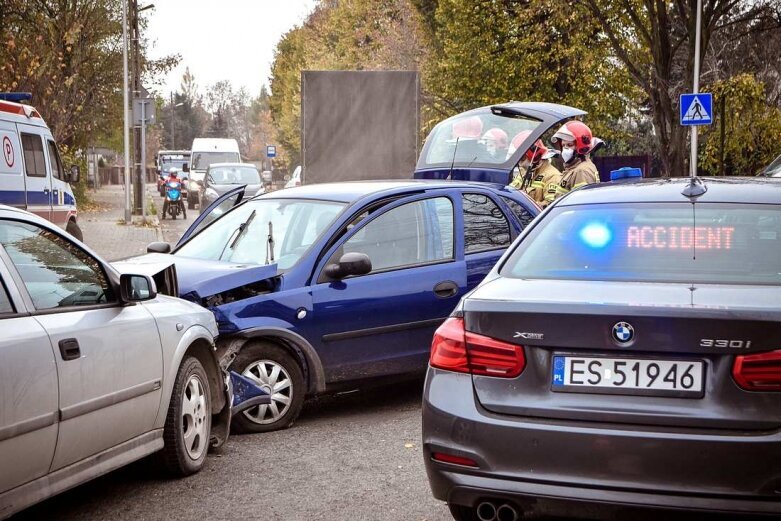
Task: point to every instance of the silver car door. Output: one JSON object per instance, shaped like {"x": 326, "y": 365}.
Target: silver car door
{"x": 108, "y": 356}
{"x": 28, "y": 391}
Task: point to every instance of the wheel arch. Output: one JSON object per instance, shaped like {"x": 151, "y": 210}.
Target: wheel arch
{"x": 294, "y": 343}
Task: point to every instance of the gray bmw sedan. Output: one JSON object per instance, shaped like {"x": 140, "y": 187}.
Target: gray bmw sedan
{"x": 625, "y": 351}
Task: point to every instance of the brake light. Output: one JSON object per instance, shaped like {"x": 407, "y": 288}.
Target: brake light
{"x": 759, "y": 372}
{"x": 455, "y": 349}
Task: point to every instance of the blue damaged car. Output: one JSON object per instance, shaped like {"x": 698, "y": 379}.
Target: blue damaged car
{"x": 321, "y": 287}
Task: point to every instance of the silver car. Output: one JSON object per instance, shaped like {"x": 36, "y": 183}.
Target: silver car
{"x": 96, "y": 369}
{"x": 224, "y": 177}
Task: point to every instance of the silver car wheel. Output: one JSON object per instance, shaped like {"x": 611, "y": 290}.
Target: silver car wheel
{"x": 275, "y": 380}
{"x": 194, "y": 417}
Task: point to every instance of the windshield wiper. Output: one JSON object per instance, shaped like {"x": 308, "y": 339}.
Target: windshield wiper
{"x": 239, "y": 232}
{"x": 270, "y": 244}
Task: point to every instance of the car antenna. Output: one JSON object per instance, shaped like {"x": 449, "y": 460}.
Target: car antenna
{"x": 453, "y": 161}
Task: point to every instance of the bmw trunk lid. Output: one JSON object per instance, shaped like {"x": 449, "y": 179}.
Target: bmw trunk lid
{"x": 574, "y": 322}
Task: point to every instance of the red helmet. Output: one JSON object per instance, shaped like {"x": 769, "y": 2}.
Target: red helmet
{"x": 535, "y": 153}
{"x": 576, "y": 131}
{"x": 470, "y": 127}
{"x": 498, "y": 136}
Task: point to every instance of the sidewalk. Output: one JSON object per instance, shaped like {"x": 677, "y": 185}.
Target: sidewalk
{"x": 105, "y": 230}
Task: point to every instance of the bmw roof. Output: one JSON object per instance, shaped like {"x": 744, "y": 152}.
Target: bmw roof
{"x": 350, "y": 191}
{"x": 719, "y": 189}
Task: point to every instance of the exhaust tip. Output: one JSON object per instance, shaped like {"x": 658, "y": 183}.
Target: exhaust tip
{"x": 506, "y": 512}
{"x": 486, "y": 511}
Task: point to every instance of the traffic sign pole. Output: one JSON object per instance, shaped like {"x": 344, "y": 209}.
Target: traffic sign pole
{"x": 696, "y": 89}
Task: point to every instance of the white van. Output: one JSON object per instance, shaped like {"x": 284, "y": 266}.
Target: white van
{"x": 204, "y": 152}
{"x": 32, "y": 176}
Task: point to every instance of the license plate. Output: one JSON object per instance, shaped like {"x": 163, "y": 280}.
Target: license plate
{"x": 628, "y": 376}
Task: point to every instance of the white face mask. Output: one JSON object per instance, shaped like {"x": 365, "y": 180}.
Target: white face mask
{"x": 567, "y": 154}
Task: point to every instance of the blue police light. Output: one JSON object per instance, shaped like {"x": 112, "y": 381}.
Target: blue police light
{"x": 17, "y": 97}
{"x": 626, "y": 172}
{"x": 596, "y": 235}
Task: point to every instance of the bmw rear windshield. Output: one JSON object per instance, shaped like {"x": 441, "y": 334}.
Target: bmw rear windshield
{"x": 709, "y": 243}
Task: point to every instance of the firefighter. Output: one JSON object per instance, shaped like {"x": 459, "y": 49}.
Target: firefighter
{"x": 544, "y": 176}
{"x": 575, "y": 141}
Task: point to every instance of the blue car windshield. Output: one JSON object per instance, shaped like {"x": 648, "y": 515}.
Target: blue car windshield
{"x": 242, "y": 235}
{"x": 654, "y": 242}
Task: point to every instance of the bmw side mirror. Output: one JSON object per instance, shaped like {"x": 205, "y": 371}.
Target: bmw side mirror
{"x": 158, "y": 247}
{"x": 352, "y": 263}
{"x": 136, "y": 288}
{"x": 75, "y": 173}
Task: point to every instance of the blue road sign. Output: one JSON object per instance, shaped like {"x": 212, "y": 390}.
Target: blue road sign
{"x": 697, "y": 109}
{"x": 271, "y": 151}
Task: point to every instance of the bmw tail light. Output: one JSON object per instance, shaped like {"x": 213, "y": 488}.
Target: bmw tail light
{"x": 758, "y": 372}
{"x": 455, "y": 349}
{"x": 448, "y": 349}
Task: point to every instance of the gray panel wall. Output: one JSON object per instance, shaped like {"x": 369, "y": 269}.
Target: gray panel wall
{"x": 359, "y": 125}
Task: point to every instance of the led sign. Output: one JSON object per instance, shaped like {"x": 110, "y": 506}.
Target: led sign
{"x": 680, "y": 237}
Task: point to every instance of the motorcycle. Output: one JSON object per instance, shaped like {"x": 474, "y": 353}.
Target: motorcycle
{"x": 173, "y": 203}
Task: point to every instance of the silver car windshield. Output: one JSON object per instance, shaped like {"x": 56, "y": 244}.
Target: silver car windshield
{"x": 264, "y": 231}
{"x": 233, "y": 175}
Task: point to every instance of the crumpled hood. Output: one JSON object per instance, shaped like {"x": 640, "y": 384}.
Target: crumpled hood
{"x": 199, "y": 278}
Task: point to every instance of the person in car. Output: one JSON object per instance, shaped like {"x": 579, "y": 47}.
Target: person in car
{"x": 575, "y": 141}
{"x": 496, "y": 142}
{"x": 545, "y": 177}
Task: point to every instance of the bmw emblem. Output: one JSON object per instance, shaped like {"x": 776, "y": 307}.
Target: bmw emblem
{"x": 623, "y": 333}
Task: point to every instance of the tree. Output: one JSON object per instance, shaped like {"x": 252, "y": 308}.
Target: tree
{"x": 654, "y": 40}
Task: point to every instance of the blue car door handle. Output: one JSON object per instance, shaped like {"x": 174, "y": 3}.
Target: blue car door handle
{"x": 446, "y": 289}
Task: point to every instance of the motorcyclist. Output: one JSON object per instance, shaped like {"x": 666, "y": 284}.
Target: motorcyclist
{"x": 173, "y": 176}
{"x": 545, "y": 177}
{"x": 575, "y": 141}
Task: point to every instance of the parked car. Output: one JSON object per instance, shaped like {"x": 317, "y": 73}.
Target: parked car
{"x": 623, "y": 352}
{"x": 295, "y": 179}
{"x": 32, "y": 174}
{"x": 96, "y": 369}
{"x": 223, "y": 177}
{"x": 206, "y": 151}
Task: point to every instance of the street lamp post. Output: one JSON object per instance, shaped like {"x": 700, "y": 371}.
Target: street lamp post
{"x": 126, "y": 123}
{"x": 173, "y": 121}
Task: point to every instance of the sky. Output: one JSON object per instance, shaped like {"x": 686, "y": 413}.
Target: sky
{"x": 220, "y": 39}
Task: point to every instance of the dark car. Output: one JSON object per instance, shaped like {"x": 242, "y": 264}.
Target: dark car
{"x": 624, "y": 351}
{"x": 223, "y": 177}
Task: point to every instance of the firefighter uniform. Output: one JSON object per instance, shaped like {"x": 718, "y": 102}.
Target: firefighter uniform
{"x": 579, "y": 173}
{"x": 545, "y": 179}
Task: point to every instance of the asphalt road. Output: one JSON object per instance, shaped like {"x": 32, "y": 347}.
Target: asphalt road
{"x": 349, "y": 457}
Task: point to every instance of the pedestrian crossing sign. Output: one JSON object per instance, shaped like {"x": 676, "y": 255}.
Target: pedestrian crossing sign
{"x": 697, "y": 109}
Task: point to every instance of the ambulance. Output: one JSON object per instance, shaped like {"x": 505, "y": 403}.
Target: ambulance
{"x": 32, "y": 175}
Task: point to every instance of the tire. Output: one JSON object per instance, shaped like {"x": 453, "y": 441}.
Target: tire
{"x": 188, "y": 423}
{"x": 74, "y": 230}
{"x": 259, "y": 361}
{"x": 190, "y": 203}
{"x": 462, "y": 513}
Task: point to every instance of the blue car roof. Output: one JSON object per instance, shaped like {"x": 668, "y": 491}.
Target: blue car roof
{"x": 350, "y": 191}
{"x": 719, "y": 190}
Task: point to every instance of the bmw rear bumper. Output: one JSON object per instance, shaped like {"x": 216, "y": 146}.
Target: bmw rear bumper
{"x": 527, "y": 460}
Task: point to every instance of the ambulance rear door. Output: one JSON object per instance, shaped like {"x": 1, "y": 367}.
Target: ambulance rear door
{"x": 11, "y": 167}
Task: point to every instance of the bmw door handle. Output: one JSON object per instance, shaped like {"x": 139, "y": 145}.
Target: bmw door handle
{"x": 69, "y": 349}
{"x": 446, "y": 289}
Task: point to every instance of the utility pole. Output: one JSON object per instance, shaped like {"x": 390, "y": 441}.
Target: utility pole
{"x": 173, "y": 124}
{"x": 696, "y": 88}
{"x": 126, "y": 116}
{"x": 138, "y": 182}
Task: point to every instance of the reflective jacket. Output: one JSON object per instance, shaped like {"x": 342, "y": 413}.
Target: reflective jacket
{"x": 575, "y": 175}
{"x": 546, "y": 178}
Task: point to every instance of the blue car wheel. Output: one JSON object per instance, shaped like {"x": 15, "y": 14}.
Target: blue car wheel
{"x": 274, "y": 369}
